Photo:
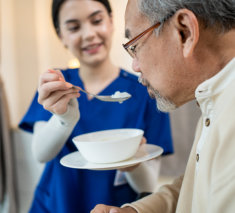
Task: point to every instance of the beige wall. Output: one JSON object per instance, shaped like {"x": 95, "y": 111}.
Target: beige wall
{"x": 29, "y": 46}
{"x": 19, "y": 54}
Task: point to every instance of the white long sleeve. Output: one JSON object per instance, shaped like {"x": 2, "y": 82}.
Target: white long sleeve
{"x": 49, "y": 137}
{"x": 144, "y": 178}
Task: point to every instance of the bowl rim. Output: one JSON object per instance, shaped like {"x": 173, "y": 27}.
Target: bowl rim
{"x": 141, "y": 132}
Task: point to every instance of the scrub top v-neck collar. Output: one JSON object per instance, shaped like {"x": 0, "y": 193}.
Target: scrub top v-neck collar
{"x": 104, "y": 91}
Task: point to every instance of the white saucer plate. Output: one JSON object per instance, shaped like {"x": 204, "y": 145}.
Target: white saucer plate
{"x": 77, "y": 161}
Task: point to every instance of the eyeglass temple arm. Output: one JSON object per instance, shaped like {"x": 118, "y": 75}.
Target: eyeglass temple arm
{"x": 140, "y": 35}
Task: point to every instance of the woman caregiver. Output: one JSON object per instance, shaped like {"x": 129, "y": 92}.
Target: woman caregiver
{"x": 85, "y": 28}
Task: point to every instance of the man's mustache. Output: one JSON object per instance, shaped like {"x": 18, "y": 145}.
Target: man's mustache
{"x": 145, "y": 83}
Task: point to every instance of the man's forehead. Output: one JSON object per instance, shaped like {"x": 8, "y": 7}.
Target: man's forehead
{"x": 133, "y": 17}
{"x": 132, "y": 11}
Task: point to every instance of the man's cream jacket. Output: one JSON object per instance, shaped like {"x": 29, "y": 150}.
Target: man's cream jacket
{"x": 208, "y": 184}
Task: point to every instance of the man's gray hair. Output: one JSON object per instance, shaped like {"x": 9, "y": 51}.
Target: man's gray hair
{"x": 217, "y": 14}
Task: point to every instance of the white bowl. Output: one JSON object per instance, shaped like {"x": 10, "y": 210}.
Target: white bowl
{"x": 109, "y": 146}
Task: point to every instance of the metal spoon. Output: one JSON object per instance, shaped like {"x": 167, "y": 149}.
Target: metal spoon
{"x": 116, "y": 97}
{"x": 108, "y": 98}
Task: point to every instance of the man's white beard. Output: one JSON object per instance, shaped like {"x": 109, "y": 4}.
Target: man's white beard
{"x": 163, "y": 104}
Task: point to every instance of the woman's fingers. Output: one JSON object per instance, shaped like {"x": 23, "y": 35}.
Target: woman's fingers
{"x": 61, "y": 105}
{"x": 54, "y": 92}
{"x": 46, "y": 89}
{"x": 48, "y": 77}
{"x": 51, "y": 75}
{"x": 131, "y": 168}
{"x": 56, "y": 71}
{"x": 54, "y": 97}
{"x": 143, "y": 140}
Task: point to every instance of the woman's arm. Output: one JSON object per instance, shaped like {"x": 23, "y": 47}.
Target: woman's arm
{"x": 49, "y": 137}
{"x": 144, "y": 178}
{"x": 58, "y": 97}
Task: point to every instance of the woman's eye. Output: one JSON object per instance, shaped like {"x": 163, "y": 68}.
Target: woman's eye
{"x": 73, "y": 28}
{"x": 97, "y": 21}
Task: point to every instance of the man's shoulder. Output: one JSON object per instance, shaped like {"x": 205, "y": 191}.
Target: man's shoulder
{"x": 227, "y": 97}
{"x": 225, "y": 109}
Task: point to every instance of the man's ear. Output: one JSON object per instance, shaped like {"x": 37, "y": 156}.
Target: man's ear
{"x": 188, "y": 29}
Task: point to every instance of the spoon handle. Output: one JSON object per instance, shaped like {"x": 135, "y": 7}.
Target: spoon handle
{"x": 76, "y": 87}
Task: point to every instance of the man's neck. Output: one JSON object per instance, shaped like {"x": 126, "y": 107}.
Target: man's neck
{"x": 215, "y": 51}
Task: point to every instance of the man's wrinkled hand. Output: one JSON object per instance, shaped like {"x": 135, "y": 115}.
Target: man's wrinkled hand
{"x": 112, "y": 209}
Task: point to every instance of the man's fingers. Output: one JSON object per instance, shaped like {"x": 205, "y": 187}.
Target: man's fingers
{"x": 100, "y": 208}
{"x": 113, "y": 211}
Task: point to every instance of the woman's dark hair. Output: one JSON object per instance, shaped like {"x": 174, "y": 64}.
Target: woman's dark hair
{"x": 56, "y": 5}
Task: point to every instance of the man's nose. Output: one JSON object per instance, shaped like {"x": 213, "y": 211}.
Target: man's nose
{"x": 135, "y": 65}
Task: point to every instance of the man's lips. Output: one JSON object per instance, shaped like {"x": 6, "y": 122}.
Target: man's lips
{"x": 146, "y": 84}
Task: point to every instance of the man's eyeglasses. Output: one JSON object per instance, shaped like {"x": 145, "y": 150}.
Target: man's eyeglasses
{"x": 130, "y": 48}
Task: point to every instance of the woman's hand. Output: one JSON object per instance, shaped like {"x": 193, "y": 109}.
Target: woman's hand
{"x": 54, "y": 93}
{"x": 131, "y": 168}
{"x": 111, "y": 209}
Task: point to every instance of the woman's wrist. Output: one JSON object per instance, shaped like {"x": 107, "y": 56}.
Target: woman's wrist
{"x": 71, "y": 116}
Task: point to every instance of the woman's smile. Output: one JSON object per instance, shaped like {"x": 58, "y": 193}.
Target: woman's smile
{"x": 92, "y": 48}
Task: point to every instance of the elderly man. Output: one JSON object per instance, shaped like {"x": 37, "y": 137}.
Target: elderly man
{"x": 186, "y": 50}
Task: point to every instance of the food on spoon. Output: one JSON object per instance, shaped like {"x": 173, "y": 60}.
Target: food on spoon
{"x": 119, "y": 94}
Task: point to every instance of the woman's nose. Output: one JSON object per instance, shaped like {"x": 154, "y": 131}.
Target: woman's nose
{"x": 135, "y": 65}
{"x": 88, "y": 33}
